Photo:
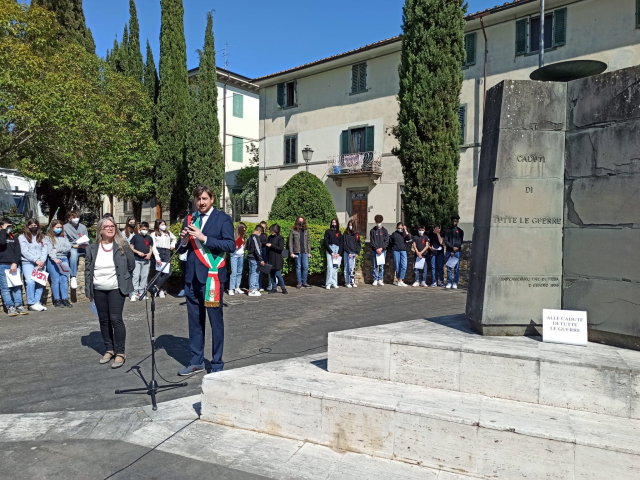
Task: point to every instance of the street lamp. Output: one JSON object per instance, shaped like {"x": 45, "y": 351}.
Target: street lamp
{"x": 307, "y": 153}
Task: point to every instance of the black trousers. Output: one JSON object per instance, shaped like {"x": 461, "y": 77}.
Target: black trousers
{"x": 110, "y": 304}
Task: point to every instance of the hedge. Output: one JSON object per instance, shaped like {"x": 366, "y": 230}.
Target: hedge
{"x": 317, "y": 262}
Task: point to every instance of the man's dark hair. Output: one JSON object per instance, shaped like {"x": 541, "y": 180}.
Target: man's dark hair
{"x": 73, "y": 214}
{"x": 263, "y": 221}
{"x": 200, "y": 189}
{"x": 399, "y": 223}
{"x": 259, "y": 227}
{"x": 421, "y": 227}
{"x": 378, "y": 218}
{"x": 275, "y": 228}
{"x": 437, "y": 225}
{"x": 144, "y": 224}
{"x": 5, "y": 220}
{"x": 108, "y": 215}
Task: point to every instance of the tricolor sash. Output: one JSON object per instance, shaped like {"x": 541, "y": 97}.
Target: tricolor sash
{"x": 212, "y": 290}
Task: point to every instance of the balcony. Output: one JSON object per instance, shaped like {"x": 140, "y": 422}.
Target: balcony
{"x": 354, "y": 165}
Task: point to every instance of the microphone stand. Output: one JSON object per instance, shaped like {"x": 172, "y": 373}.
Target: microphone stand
{"x": 152, "y": 387}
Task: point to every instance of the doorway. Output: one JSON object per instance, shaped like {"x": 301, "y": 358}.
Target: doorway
{"x": 359, "y": 209}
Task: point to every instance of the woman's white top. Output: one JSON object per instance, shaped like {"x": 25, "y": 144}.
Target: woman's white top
{"x": 166, "y": 239}
{"x": 104, "y": 270}
{"x": 124, "y": 234}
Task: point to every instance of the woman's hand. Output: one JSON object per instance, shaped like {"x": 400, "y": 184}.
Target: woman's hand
{"x": 293, "y": 255}
{"x": 262, "y": 263}
{"x": 159, "y": 264}
{"x": 39, "y": 264}
{"x": 75, "y": 246}
{"x": 58, "y": 261}
{"x": 268, "y": 245}
{"x": 14, "y": 268}
{"x": 172, "y": 248}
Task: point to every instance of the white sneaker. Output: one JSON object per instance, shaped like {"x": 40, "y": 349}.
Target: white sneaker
{"x": 448, "y": 285}
{"x": 255, "y": 293}
{"x": 380, "y": 283}
{"x": 37, "y": 307}
{"x": 239, "y": 291}
{"x": 336, "y": 286}
{"x": 348, "y": 285}
{"x": 354, "y": 285}
{"x": 261, "y": 290}
{"x": 74, "y": 283}
{"x": 161, "y": 294}
{"x": 375, "y": 282}
{"x": 133, "y": 298}
{"x": 402, "y": 284}
{"x": 455, "y": 285}
{"x": 328, "y": 287}
{"x": 415, "y": 284}
{"x": 231, "y": 292}
{"x": 423, "y": 284}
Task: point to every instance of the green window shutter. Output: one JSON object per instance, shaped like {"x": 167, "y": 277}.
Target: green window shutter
{"x": 462, "y": 118}
{"x": 470, "y": 48}
{"x": 344, "y": 142}
{"x": 369, "y": 139}
{"x": 238, "y": 105}
{"x": 236, "y": 149}
{"x": 281, "y": 95}
{"x": 355, "y": 75}
{"x": 362, "y": 77}
{"x": 521, "y": 36}
{"x": 559, "y": 27}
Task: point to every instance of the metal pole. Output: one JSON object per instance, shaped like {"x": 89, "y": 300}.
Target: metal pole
{"x": 541, "y": 54}
{"x": 486, "y": 57}
{"x": 224, "y": 143}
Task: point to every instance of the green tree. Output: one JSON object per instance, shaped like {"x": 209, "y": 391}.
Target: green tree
{"x": 70, "y": 17}
{"x": 304, "y": 194}
{"x": 123, "y": 52}
{"x": 247, "y": 182}
{"x": 204, "y": 150}
{"x": 152, "y": 86}
{"x": 428, "y": 130}
{"x": 135, "y": 65}
{"x": 173, "y": 101}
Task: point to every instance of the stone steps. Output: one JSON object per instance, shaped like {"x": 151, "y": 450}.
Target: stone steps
{"x": 463, "y": 432}
{"x": 444, "y": 353}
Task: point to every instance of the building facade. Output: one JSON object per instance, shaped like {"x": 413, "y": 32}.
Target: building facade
{"x": 238, "y": 115}
{"x": 344, "y": 107}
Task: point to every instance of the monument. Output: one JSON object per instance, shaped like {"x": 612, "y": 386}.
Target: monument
{"x": 557, "y": 221}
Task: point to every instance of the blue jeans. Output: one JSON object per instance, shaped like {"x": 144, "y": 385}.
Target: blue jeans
{"x": 302, "y": 268}
{"x": 9, "y": 292}
{"x": 349, "y": 275}
{"x": 275, "y": 278}
{"x": 237, "y": 264}
{"x": 73, "y": 261}
{"x": 420, "y": 275}
{"x": 437, "y": 263}
{"x": 400, "y": 259}
{"x": 332, "y": 272}
{"x": 378, "y": 270}
{"x": 59, "y": 281}
{"x": 34, "y": 290}
{"x": 456, "y": 273}
{"x": 254, "y": 275}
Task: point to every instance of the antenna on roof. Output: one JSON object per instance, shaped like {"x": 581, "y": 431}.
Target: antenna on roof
{"x": 225, "y": 54}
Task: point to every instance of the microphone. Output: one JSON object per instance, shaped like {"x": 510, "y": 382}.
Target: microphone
{"x": 194, "y": 217}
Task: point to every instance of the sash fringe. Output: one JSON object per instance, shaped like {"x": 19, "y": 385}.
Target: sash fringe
{"x": 210, "y": 304}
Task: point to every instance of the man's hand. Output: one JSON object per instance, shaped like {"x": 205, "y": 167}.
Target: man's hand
{"x": 455, "y": 249}
{"x": 268, "y": 245}
{"x": 14, "y": 268}
{"x": 148, "y": 256}
{"x": 262, "y": 263}
{"x": 350, "y": 255}
{"x": 419, "y": 255}
{"x": 452, "y": 254}
{"x": 379, "y": 251}
{"x": 184, "y": 234}
{"x": 293, "y": 255}
{"x": 75, "y": 246}
{"x": 197, "y": 233}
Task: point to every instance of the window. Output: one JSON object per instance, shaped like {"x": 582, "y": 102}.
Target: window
{"x": 238, "y": 105}
{"x": 236, "y": 149}
{"x": 357, "y": 140}
{"x": 127, "y": 207}
{"x": 470, "y": 49}
{"x": 528, "y": 32}
{"x": 462, "y": 118}
{"x": 290, "y": 151}
{"x": 359, "y": 78}
{"x": 288, "y": 94}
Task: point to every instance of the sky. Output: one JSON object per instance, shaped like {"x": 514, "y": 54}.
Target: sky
{"x": 262, "y": 37}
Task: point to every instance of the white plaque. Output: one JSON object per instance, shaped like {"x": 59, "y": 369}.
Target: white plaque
{"x": 564, "y": 326}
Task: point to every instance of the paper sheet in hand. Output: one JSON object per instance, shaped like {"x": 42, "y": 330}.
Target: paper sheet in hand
{"x": 337, "y": 262}
{"x": 39, "y": 276}
{"x": 82, "y": 240}
{"x": 419, "y": 264}
{"x": 13, "y": 279}
{"x": 352, "y": 263}
{"x": 380, "y": 259}
{"x": 438, "y": 249}
{"x": 165, "y": 267}
{"x": 94, "y": 309}
{"x": 452, "y": 262}
{"x": 64, "y": 268}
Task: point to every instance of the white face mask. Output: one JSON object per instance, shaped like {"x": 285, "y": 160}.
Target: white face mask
{"x": 163, "y": 227}
{"x": 350, "y": 227}
{"x": 143, "y": 232}
{"x": 401, "y": 230}
{"x": 420, "y": 232}
{"x": 75, "y": 221}
{"x": 379, "y": 225}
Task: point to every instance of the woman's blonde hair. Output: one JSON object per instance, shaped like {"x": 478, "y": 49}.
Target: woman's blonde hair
{"x": 118, "y": 238}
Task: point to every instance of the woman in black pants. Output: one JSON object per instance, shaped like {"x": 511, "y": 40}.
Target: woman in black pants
{"x": 275, "y": 245}
{"x": 108, "y": 266}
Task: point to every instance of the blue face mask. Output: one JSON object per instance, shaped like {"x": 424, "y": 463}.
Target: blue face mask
{"x": 57, "y": 231}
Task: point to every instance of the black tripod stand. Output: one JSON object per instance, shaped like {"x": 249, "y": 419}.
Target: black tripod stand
{"x": 152, "y": 387}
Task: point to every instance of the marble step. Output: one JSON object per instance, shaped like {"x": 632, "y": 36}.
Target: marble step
{"x": 467, "y": 433}
{"x": 444, "y": 353}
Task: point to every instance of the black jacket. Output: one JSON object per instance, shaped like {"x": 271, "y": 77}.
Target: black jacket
{"x": 333, "y": 237}
{"x": 274, "y": 252}
{"x": 352, "y": 243}
{"x": 9, "y": 248}
{"x": 379, "y": 238}
{"x": 253, "y": 251}
{"x": 400, "y": 241}
{"x": 454, "y": 238}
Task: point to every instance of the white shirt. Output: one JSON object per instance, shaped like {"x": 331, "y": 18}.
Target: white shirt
{"x": 104, "y": 270}
{"x": 203, "y": 220}
{"x": 166, "y": 239}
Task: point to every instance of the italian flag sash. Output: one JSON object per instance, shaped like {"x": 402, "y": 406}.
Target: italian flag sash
{"x": 212, "y": 291}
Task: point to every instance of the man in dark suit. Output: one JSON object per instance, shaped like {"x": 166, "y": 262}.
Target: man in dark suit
{"x": 214, "y": 233}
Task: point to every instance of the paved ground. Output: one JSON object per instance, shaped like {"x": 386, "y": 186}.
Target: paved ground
{"x": 49, "y": 360}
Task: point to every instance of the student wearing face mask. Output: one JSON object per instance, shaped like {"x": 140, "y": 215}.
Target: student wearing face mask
{"x": 73, "y": 230}
{"x": 436, "y": 257}
{"x": 130, "y": 229}
{"x": 334, "y": 246}
{"x": 352, "y": 247}
{"x": 142, "y": 247}
{"x": 10, "y": 256}
{"x": 379, "y": 238}
{"x": 34, "y": 257}
{"x": 398, "y": 241}
{"x": 58, "y": 248}
{"x": 300, "y": 248}
{"x": 421, "y": 248}
{"x": 163, "y": 243}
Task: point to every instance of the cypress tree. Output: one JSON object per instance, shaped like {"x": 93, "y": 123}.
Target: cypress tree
{"x": 135, "y": 64}
{"x": 70, "y": 16}
{"x": 428, "y": 129}
{"x": 172, "y": 108}
{"x": 91, "y": 44}
{"x": 112, "y": 55}
{"x": 152, "y": 84}
{"x": 204, "y": 150}
{"x": 123, "y": 52}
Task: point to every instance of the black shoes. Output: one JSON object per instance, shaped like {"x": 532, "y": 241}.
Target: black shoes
{"x": 306, "y": 285}
{"x": 58, "y": 304}
{"x": 285, "y": 291}
{"x": 66, "y": 303}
